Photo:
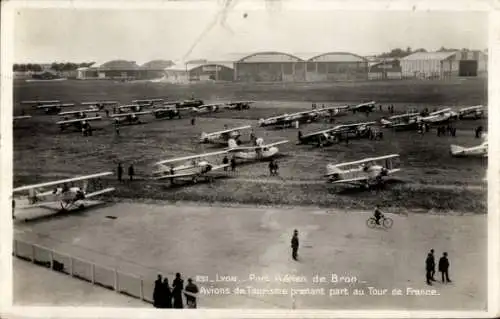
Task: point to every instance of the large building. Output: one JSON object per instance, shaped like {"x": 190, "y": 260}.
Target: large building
{"x": 198, "y": 71}
{"x": 286, "y": 67}
{"x": 440, "y": 65}
{"x": 385, "y": 69}
{"x": 125, "y": 70}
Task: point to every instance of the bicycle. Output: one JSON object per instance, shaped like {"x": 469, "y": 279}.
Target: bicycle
{"x": 385, "y": 222}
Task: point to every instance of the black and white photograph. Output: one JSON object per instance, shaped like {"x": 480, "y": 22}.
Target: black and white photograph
{"x": 249, "y": 155}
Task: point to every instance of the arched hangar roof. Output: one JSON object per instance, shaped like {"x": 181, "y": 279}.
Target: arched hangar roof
{"x": 119, "y": 65}
{"x": 271, "y": 56}
{"x": 191, "y": 66}
{"x": 157, "y": 64}
{"x": 337, "y": 57}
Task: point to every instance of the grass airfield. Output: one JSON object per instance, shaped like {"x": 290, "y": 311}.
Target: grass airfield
{"x": 198, "y": 240}
{"x": 227, "y": 238}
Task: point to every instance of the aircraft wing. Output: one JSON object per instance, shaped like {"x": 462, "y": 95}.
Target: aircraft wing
{"x": 350, "y": 180}
{"x": 362, "y": 104}
{"x": 22, "y": 117}
{"x": 209, "y": 105}
{"x": 172, "y": 160}
{"x": 99, "y": 102}
{"x": 40, "y": 102}
{"x": 80, "y": 120}
{"x": 403, "y": 116}
{"x": 100, "y": 192}
{"x": 355, "y": 125}
{"x": 440, "y": 111}
{"x": 365, "y": 160}
{"x": 62, "y": 181}
{"x": 132, "y": 113}
{"x": 243, "y": 148}
{"x": 230, "y": 130}
{"x": 75, "y": 112}
{"x": 322, "y": 132}
{"x": 45, "y": 106}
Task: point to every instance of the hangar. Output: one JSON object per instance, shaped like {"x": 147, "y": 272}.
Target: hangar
{"x": 387, "y": 69}
{"x": 125, "y": 70}
{"x": 199, "y": 71}
{"x": 439, "y": 65}
{"x": 336, "y": 66}
{"x": 269, "y": 67}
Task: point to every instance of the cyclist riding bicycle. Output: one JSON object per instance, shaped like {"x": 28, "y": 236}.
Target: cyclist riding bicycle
{"x": 378, "y": 215}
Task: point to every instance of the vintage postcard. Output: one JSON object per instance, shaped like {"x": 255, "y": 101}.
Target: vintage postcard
{"x": 249, "y": 158}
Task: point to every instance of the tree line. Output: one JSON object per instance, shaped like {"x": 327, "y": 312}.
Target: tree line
{"x": 57, "y": 67}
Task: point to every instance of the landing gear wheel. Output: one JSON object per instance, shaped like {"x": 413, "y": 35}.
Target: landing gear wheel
{"x": 387, "y": 222}
{"x": 81, "y": 206}
{"x": 371, "y": 222}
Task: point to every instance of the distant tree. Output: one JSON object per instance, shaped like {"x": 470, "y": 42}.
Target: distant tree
{"x": 36, "y": 67}
{"x": 420, "y": 50}
{"x": 15, "y": 67}
{"x": 443, "y": 49}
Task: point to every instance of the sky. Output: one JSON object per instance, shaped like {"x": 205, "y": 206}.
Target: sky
{"x": 81, "y": 35}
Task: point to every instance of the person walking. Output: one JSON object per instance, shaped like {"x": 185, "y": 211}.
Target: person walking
{"x": 295, "y": 244}
{"x": 119, "y": 172}
{"x": 444, "y": 265}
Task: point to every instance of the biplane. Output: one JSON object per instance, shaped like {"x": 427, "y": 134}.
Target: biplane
{"x": 222, "y": 137}
{"x": 195, "y": 167}
{"x": 207, "y": 108}
{"x": 363, "y": 107}
{"x": 99, "y": 105}
{"x": 64, "y": 193}
{"x": 336, "y": 134}
{"x": 286, "y": 120}
{"x": 402, "y": 122}
{"x": 148, "y": 102}
{"x": 77, "y": 114}
{"x": 471, "y": 112}
{"x": 366, "y": 172}
{"x": 166, "y": 112}
{"x": 439, "y": 117}
{"x": 129, "y": 108}
{"x": 186, "y": 103}
{"x": 260, "y": 151}
{"x": 128, "y": 118}
{"x": 77, "y": 123}
{"x": 53, "y": 108}
{"x": 474, "y": 151}
{"x": 331, "y": 110}
{"x": 239, "y": 105}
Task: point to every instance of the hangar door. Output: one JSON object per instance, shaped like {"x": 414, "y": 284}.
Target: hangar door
{"x": 468, "y": 68}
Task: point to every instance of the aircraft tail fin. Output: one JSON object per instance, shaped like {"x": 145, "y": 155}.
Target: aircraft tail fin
{"x": 333, "y": 171}
{"x": 232, "y": 143}
{"x": 456, "y": 150}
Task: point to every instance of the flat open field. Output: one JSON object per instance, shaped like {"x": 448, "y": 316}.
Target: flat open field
{"x": 431, "y": 178}
{"x": 196, "y": 240}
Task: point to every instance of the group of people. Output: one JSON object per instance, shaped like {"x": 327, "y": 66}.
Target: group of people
{"x": 119, "y": 172}
{"x": 232, "y": 163}
{"x": 445, "y": 130}
{"x": 443, "y": 266}
{"x": 86, "y": 129}
{"x": 165, "y": 296}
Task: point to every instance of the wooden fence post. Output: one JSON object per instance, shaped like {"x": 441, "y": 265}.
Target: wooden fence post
{"x": 33, "y": 253}
{"x": 70, "y": 266}
{"x": 141, "y": 283}
{"x": 92, "y": 272}
{"x": 116, "y": 281}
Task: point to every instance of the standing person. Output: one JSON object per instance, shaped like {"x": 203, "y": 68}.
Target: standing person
{"x": 166, "y": 301}
{"x": 178, "y": 286}
{"x": 271, "y": 168}
{"x": 119, "y": 172}
{"x": 157, "y": 292}
{"x": 433, "y": 271}
{"x": 428, "y": 268}
{"x": 295, "y": 244}
{"x": 193, "y": 121}
{"x": 190, "y": 299}
{"x": 131, "y": 172}
{"x": 444, "y": 265}
{"x": 117, "y": 128}
{"x": 275, "y": 167}
{"x": 233, "y": 164}
{"x": 225, "y": 161}
{"x": 13, "y": 208}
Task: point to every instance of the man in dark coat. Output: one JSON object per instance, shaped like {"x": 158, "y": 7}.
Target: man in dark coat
{"x": 166, "y": 296}
{"x": 131, "y": 172}
{"x": 295, "y": 244}
{"x": 429, "y": 265}
{"x": 444, "y": 264}
{"x": 190, "y": 299}
{"x": 119, "y": 172}
{"x": 178, "y": 286}
{"x": 233, "y": 164}
{"x": 433, "y": 265}
{"x": 225, "y": 161}
{"x": 157, "y": 293}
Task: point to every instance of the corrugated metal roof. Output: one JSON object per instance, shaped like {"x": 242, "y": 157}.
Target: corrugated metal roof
{"x": 191, "y": 66}
{"x": 429, "y": 56}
